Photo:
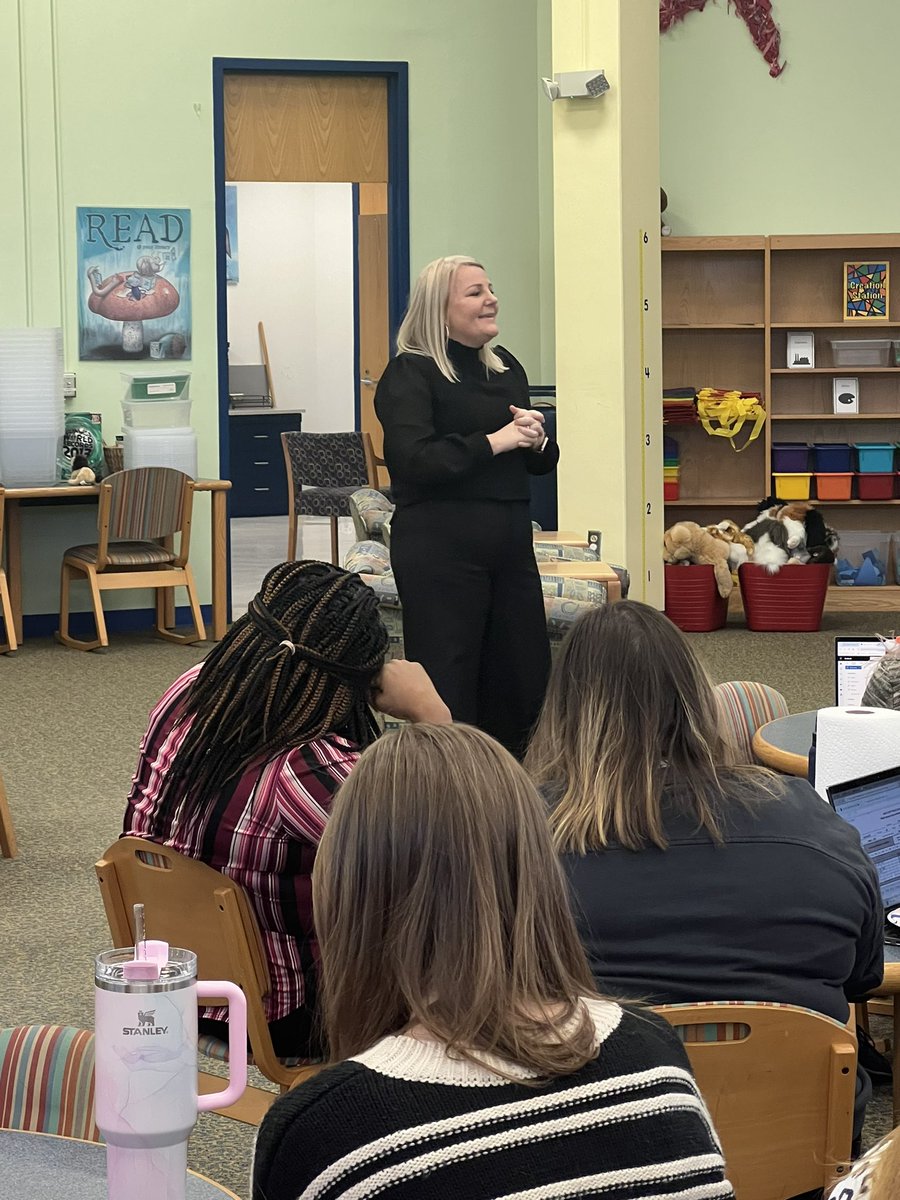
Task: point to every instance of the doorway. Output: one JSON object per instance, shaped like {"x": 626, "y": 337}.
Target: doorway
{"x": 307, "y": 123}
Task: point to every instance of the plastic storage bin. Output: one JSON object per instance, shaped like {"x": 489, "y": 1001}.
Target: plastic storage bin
{"x": 792, "y": 486}
{"x": 875, "y": 456}
{"x": 161, "y": 448}
{"x": 791, "y": 601}
{"x": 833, "y": 456}
{"x": 693, "y": 602}
{"x": 895, "y": 555}
{"x": 157, "y": 401}
{"x": 861, "y": 352}
{"x": 790, "y": 456}
{"x": 876, "y": 485}
{"x": 834, "y": 485}
{"x": 671, "y": 489}
{"x": 862, "y": 559}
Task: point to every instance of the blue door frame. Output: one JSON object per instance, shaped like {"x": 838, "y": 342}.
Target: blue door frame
{"x": 397, "y": 76}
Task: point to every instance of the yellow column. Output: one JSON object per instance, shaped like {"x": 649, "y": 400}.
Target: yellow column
{"x": 607, "y": 263}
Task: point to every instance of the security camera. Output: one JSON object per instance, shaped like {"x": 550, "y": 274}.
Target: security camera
{"x": 576, "y": 85}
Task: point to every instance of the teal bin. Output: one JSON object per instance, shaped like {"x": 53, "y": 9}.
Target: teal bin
{"x": 875, "y": 456}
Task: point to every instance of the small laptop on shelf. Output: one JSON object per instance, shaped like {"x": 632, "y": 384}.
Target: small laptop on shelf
{"x": 871, "y": 804}
{"x": 855, "y": 658}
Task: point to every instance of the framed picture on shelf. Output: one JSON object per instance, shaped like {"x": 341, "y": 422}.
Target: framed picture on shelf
{"x": 846, "y": 394}
{"x": 801, "y": 351}
{"x": 866, "y": 291}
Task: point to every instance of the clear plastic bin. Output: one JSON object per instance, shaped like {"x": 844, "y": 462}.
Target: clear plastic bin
{"x": 862, "y": 559}
{"x": 161, "y": 448}
{"x": 861, "y": 352}
{"x": 157, "y": 401}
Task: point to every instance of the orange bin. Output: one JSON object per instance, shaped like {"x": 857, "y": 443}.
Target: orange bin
{"x": 834, "y": 485}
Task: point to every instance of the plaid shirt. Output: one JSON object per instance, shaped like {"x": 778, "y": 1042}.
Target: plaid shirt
{"x": 263, "y": 834}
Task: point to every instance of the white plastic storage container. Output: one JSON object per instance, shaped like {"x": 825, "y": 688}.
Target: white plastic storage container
{"x": 861, "y": 352}
{"x": 157, "y": 401}
{"x": 161, "y": 448}
{"x": 863, "y": 558}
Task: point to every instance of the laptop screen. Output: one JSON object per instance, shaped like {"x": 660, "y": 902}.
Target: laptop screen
{"x": 872, "y": 806}
{"x": 855, "y": 658}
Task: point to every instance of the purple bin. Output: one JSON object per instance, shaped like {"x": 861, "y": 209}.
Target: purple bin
{"x": 789, "y": 457}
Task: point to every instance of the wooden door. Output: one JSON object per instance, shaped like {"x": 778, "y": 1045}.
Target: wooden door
{"x": 324, "y": 129}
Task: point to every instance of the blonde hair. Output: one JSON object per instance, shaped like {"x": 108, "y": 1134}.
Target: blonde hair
{"x": 630, "y": 714}
{"x": 440, "y": 902}
{"x": 423, "y": 329}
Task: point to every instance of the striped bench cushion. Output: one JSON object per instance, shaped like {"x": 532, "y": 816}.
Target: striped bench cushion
{"x": 126, "y": 554}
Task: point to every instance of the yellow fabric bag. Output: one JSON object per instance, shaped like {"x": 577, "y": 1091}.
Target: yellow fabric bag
{"x": 730, "y": 411}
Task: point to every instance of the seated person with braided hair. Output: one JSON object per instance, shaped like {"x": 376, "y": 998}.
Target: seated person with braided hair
{"x": 245, "y": 751}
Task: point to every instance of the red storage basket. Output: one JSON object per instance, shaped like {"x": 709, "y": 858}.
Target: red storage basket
{"x": 790, "y": 601}
{"x": 878, "y": 485}
{"x": 693, "y": 602}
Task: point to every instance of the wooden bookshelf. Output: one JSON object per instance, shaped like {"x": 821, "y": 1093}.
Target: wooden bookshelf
{"x": 728, "y": 304}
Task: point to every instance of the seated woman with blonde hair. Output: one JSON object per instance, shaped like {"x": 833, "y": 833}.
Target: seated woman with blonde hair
{"x": 472, "y": 1055}
{"x": 694, "y": 876}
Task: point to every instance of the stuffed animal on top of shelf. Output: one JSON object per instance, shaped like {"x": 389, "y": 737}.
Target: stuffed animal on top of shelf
{"x": 687, "y": 542}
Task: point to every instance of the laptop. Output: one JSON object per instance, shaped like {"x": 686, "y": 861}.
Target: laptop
{"x": 871, "y": 804}
{"x": 855, "y": 658}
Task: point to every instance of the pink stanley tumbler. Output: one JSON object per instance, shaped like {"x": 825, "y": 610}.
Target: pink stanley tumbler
{"x": 146, "y": 1053}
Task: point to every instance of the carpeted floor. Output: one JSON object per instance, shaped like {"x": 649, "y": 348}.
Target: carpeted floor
{"x": 70, "y": 724}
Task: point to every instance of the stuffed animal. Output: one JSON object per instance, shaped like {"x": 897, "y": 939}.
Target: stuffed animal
{"x": 770, "y": 537}
{"x": 81, "y": 472}
{"x": 688, "y": 542}
{"x": 809, "y": 538}
{"x": 740, "y": 545}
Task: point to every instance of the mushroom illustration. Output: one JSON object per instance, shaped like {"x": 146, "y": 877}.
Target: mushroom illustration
{"x": 132, "y": 298}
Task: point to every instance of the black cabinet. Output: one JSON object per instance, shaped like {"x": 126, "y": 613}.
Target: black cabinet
{"x": 258, "y": 475}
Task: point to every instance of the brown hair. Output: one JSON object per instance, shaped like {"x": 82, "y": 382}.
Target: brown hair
{"x": 629, "y": 713}
{"x": 439, "y": 902}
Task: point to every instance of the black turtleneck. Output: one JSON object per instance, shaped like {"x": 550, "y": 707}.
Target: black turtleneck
{"x": 435, "y": 431}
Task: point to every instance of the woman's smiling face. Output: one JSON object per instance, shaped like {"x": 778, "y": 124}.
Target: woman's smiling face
{"x": 472, "y": 307}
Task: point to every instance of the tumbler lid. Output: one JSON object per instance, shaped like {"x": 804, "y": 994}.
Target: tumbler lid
{"x": 120, "y": 971}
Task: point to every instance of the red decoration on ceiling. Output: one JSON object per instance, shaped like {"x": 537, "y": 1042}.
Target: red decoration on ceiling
{"x": 756, "y": 14}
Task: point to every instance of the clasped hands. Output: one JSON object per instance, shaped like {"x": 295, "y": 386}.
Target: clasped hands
{"x": 524, "y": 432}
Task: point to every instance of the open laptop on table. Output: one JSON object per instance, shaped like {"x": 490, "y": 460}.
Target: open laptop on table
{"x": 855, "y": 658}
{"x": 871, "y": 804}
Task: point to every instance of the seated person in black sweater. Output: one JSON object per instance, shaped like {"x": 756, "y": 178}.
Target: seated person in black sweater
{"x": 693, "y": 876}
{"x": 473, "y": 1057}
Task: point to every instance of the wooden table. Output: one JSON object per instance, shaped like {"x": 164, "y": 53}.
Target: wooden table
{"x": 584, "y": 570}
{"x": 219, "y": 543}
{"x": 42, "y": 1166}
{"x": 784, "y": 744}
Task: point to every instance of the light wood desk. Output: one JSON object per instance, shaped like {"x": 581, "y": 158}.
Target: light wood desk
{"x": 219, "y": 542}
{"x": 560, "y": 537}
{"x": 891, "y": 988}
{"x": 585, "y": 570}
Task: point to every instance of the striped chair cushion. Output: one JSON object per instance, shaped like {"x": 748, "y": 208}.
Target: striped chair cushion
{"x": 215, "y": 1048}
{"x": 47, "y": 1081}
{"x": 729, "y": 1031}
{"x": 744, "y": 707}
{"x": 126, "y": 554}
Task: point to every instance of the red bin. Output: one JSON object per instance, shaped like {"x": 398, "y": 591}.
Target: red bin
{"x": 693, "y": 602}
{"x": 875, "y": 485}
{"x": 790, "y": 601}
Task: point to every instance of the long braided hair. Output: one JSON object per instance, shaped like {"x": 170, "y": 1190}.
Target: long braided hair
{"x": 298, "y": 665}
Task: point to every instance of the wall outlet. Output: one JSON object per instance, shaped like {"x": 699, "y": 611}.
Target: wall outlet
{"x": 69, "y": 390}
{"x": 595, "y": 541}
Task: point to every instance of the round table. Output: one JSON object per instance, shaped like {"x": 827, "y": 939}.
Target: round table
{"x": 41, "y": 1166}
{"x": 784, "y": 744}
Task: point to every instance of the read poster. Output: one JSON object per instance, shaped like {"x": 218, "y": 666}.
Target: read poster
{"x": 134, "y": 283}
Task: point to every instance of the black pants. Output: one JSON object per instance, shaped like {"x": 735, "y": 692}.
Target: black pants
{"x": 473, "y": 611}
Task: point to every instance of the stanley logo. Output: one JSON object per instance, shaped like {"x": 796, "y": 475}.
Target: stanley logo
{"x": 146, "y": 1026}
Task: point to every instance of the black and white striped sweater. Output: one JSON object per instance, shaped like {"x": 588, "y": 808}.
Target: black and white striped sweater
{"x": 406, "y": 1122}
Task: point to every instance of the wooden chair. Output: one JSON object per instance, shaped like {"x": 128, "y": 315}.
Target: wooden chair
{"x": 8, "y": 846}
{"x": 139, "y": 513}
{"x": 47, "y": 1081}
{"x": 191, "y": 905}
{"x": 780, "y": 1083}
{"x": 744, "y": 706}
{"x": 10, "y": 645}
{"x": 323, "y": 470}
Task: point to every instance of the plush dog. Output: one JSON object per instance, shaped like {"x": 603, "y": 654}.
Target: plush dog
{"x": 688, "y": 542}
{"x": 740, "y": 545}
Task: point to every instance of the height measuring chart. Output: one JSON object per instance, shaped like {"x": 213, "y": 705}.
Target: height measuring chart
{"x": 648, "y": 446}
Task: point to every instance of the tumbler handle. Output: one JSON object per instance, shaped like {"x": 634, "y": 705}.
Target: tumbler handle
{"x": 237, "y": 1042}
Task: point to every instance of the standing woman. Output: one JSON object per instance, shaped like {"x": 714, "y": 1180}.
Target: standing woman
{"x": 460, "y": 443}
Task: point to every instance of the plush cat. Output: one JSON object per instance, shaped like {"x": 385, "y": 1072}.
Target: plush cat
{"x": 770, "y": 539}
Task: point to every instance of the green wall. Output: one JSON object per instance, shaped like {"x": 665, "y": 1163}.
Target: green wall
{"x": 108, "y": 102}
{"x": 809, "y": 152}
